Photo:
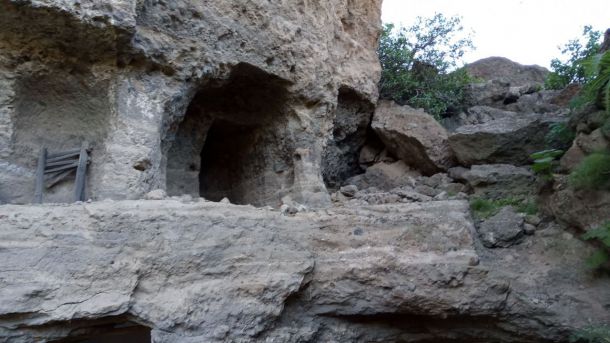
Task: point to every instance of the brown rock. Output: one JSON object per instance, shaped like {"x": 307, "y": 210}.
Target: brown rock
{"x": 413, "y": 136}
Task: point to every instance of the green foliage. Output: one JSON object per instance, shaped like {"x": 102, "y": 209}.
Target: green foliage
{"x": 544, "y": 161}
{"x": 606, "y": 128}
{"x": 597, "y": 89}
{"x": 485, "y": 208}
{"x": 601, "y": 234}
{"x": 420, "y": 64}
{"x": 593, "y": 173}
{"x": 570, "y": 69}
{"x": 592, "y": 334}
{"x": 560, "y": 136}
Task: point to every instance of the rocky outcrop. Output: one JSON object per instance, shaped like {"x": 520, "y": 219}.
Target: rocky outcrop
{"x": 505, "y": 70}
{"x": 145, "y": 82}
{"x": 202, "y": 271}
{"x": 509, "y": 139}
{"x": 413, "y": 136}
{"x": 497, "y": 181}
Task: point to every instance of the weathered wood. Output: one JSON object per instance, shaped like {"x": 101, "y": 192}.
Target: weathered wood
{"x": 70, "y": 166}
{"x": 42, "y": 159}
{"x": 63, "y": 156}
{"x": 62, "y": 163}
{"x": 61, "y": 153}
{"x": 79, "y": 183}
{"x": 58, "y": 178}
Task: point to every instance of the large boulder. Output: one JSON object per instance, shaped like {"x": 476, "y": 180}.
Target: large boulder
{"x": 509, "y": 139}
{"x": 583, "y": 209}
{"x": 497, "y": 181}
{"x": 503, "y": 69}
{"x": 413, "y": 136}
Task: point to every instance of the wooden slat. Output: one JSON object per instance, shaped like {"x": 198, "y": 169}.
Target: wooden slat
{"x": 58, "y": 178}
{"x": 79, "y": 184}
{"x": 61, "y": 153}
{"x": 54, "y": 170}
{"x": 63, "y": 157}
{"x": 42, "y": 159}
{"x": 61, "y": 163}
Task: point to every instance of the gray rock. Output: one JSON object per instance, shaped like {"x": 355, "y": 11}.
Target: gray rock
{"x": 157, "y": 194}
{"x": 349, "y": 191}
{"x": 384, "y": 176}
{"x": 413, "y": 136}
{"x": 584, "y": 209}
{"x": 497, "y": 181}
{"x": 529, "y": 229}
{"x": 503, "y": 69}
{"x": 510, "y": 139}
{"x": 502, "y": 230}
{"x": 215, "y": 273}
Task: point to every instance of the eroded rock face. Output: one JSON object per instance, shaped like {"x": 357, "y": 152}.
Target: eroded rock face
{"x": 202, "y": 271}
{"x": 128, "y": 76}
{"x": 413, "y": 136}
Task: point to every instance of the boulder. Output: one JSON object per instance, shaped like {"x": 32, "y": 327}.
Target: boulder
{"x": 413, "y": 136}
{"x": 384, "y": 176}
{"x": 505, "y": 70}
{"x": 509, "y": 139}
{"x": 503, "y": 229}
{"x": 583, "y": 209}
{"x": 497, "y": 181}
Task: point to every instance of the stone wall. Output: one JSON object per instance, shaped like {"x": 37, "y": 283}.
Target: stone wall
{"x": 124, "y": 74}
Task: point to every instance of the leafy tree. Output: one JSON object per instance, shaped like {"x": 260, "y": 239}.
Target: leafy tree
{"x": 420, "y": 64}
{"x": 570, "y": 69}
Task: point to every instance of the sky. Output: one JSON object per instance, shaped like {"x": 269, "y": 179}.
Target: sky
{"x": 525, "y": 31}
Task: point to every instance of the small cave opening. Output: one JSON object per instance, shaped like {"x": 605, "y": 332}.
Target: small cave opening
{"x": 351, "y": 130}
{"x": 234, "y": 141}
{"x": 107, "y": 330}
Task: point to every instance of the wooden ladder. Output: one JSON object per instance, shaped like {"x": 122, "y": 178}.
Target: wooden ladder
{"x": 56, "y": 167}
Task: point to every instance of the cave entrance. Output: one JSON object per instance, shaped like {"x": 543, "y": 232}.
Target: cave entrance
{"x": 108, "y": 330}
{"x": 234, "y": 141}
{"x": 351, "y": 130}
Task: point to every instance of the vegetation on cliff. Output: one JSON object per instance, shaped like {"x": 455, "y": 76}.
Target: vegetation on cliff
{"x": 421, "y": 64}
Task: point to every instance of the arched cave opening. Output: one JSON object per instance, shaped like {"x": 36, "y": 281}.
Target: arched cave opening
{"x": 340, "y": 158}
{"x": 234, "y": 141}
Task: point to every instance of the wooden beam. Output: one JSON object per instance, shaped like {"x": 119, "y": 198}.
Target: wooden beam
{"x": 42, "y": 160}
{"x": 63, "y": 156}
{"x": 67, "y": 152}
{"x": 79, "y": 183}
{"x": 69, "y": 166}
{"x": 61, "y": 163}
{"x": 58, "y": 178}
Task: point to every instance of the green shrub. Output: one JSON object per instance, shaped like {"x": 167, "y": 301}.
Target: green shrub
{"x": 544, "y": 161}
{"x": 592, "y": 334}
{"x": 485, "y": 208}
{"x": 420, "y": 65}
{"x": 593, "y": 173}
{"x": 601, "y": 234}
{"x": 570, "y": 69}
{"x": 560, "y": 136}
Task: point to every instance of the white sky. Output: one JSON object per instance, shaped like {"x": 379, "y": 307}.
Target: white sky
{"x": 525, "y": 31}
